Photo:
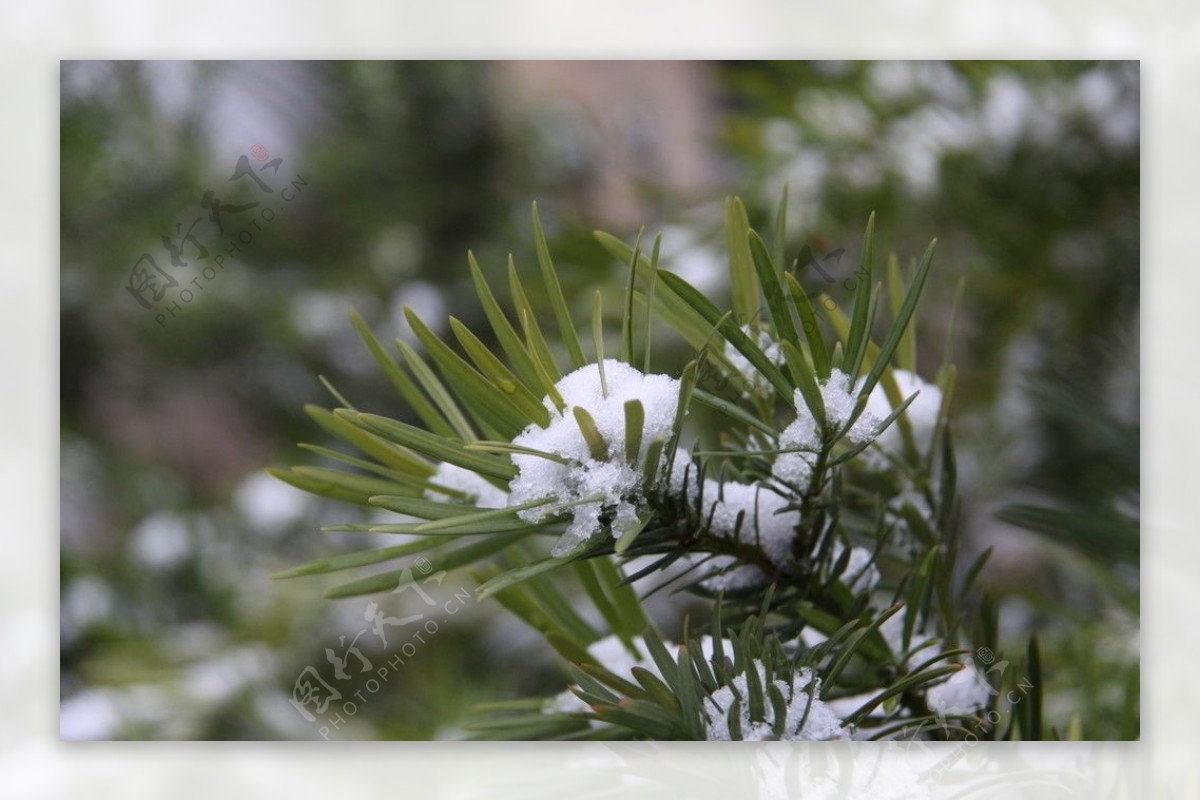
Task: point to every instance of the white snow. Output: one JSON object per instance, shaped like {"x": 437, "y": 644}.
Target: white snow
{"x": 695, "y": 261}
{"x": 819, "y": 721}
{"x": 763, "y": 523}
{"x": 612, "y": 655}
{"x": 681, "y": 474}
{"x": 1008, "y": 108}
{"x": 763, "y": 519}
{"x": 964, "y": 693}
{"x": 724, "y": 574}
{"x": 478, "y": 490}
{"x": 706, "y": 647}
{"x": 756, "y": 381}
{"x": 922, "y": 413}
{"x": 892, "y": 81}
{"x": 861, "y": 575}
{"x": 908, "y": 496}
{"x": 566, "y": 703}
{"x": 796, "y": 467}
{"x": 615, "y": 483}
{"x": 85, "y": 600}
{"x": 893, "y": 633}
{"x": 839, "y": 405}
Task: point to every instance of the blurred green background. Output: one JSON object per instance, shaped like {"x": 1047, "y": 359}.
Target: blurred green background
{"x": 382, "y": 175}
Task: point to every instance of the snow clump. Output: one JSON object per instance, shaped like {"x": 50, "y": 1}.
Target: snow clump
{"x": 922, "y": 413}
{"x": 611, "y": 487}
{"x": 614, "y": 656}
{"x": 796, "y": 467}
{"x": 755, "y": 380}
{"x": 808, "y": 718}
{"x": 476, "y": 490}
{"x": 964, "y": 693}
{"x": 758, "y": 515}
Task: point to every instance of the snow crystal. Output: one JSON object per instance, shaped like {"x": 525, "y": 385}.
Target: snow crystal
{"x": 614, "y": 483}
{"x": 478, "y": 490}
{"x": 723, "y": 572}
{"x": 796, "y": 467}
{"x": 964, "y": 693}
{"x": 847, "y": 705}
{"x": 839, "y": 405}
{"x": 819, "y": 721}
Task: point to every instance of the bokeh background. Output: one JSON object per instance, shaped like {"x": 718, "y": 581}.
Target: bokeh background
{"x": 1028, "y": 174}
